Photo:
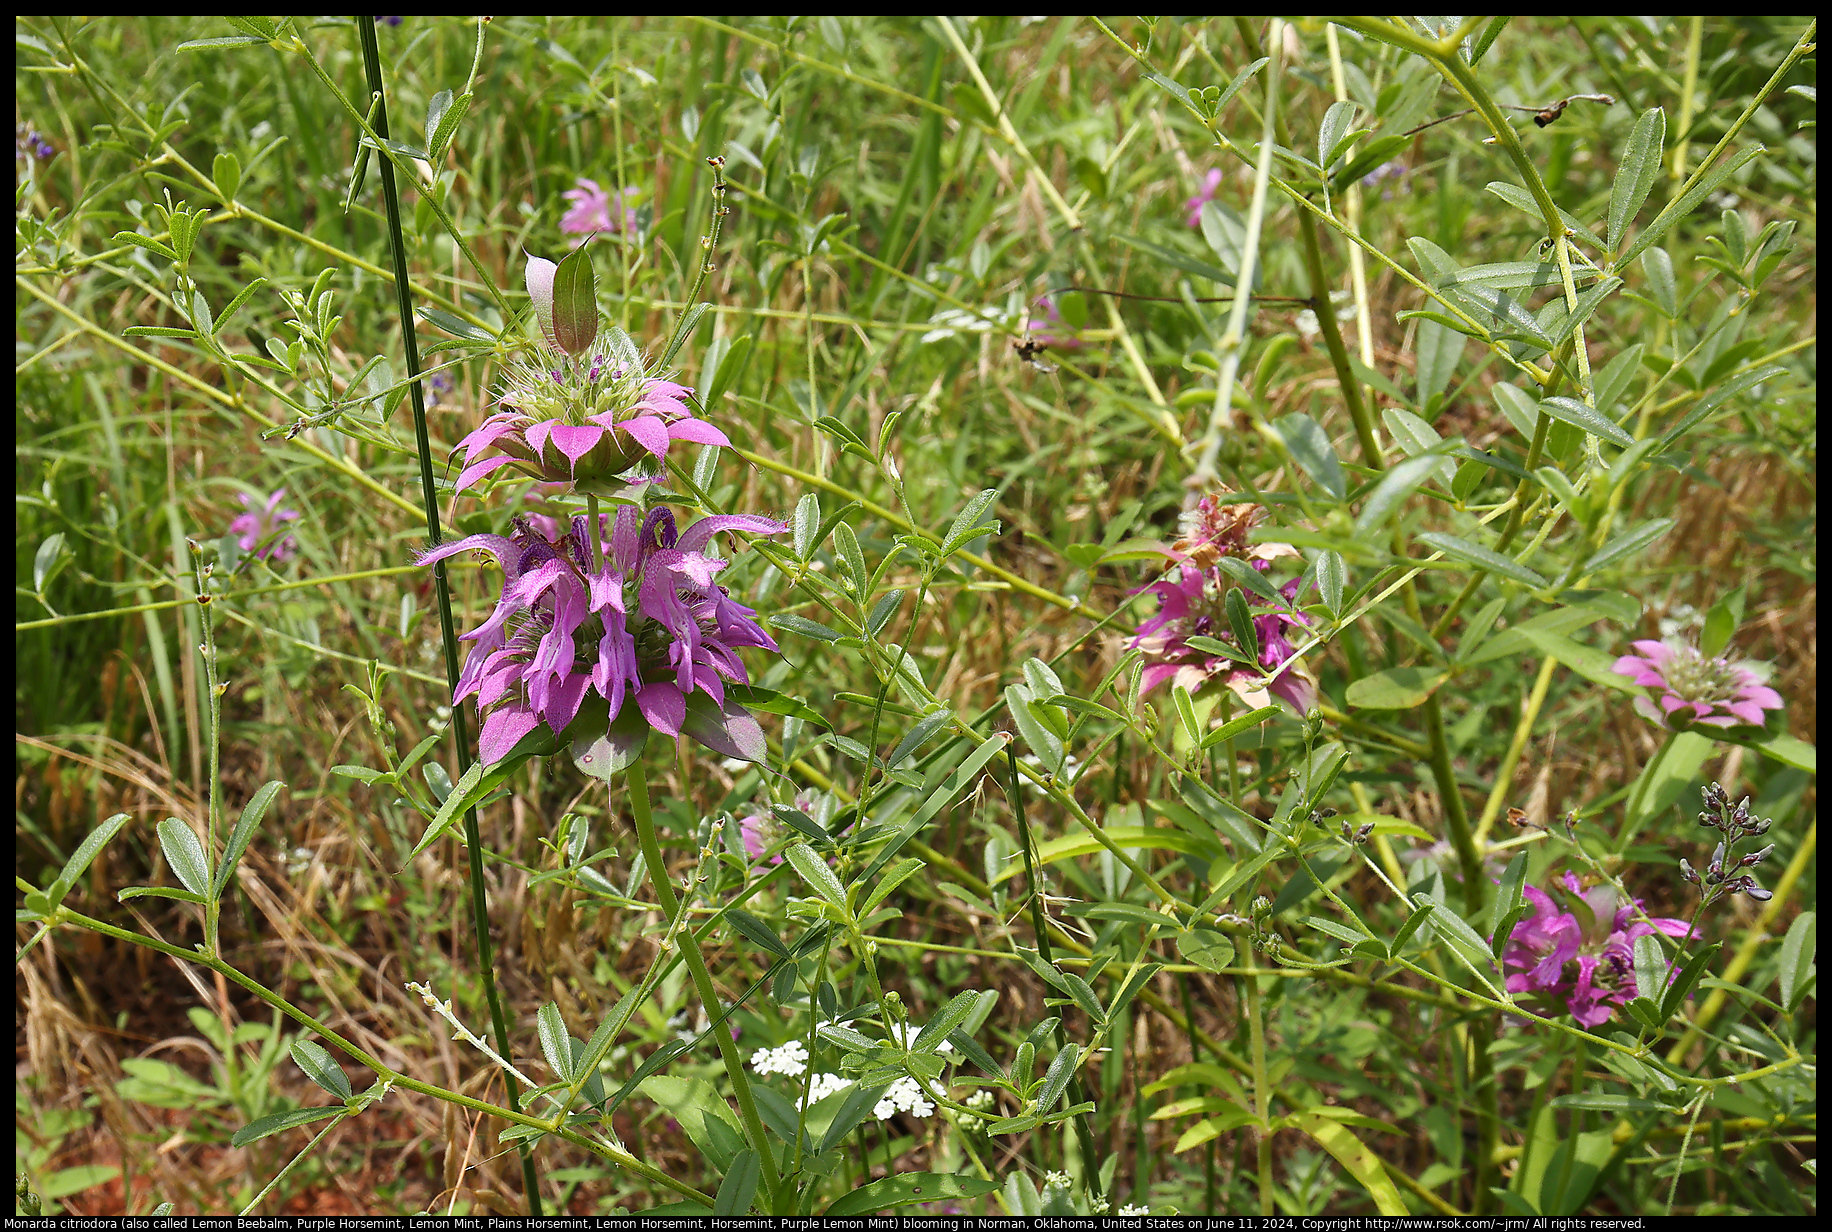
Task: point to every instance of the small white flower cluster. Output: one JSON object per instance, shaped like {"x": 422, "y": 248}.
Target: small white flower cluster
{"x": 1056, "y": 1180}
{"x": 904, "y": 1096}
{"x": 822, "y": 1085}
{"x": 790, "y": 1059}
{"x": 1135, "y": 1210}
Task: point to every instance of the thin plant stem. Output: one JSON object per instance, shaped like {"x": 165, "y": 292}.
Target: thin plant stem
{"x": 1262, "y": 1091}
{"x": 473, "y": 839}
{"x": 702, "y": 983}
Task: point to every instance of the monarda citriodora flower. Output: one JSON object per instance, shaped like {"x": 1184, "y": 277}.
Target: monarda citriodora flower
{"x": 1692, "y": 688}
{"x": 586, "y": 410}
{"x": 648, "y": 629}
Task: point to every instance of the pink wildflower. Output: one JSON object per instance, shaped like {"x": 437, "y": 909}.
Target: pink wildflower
{"x": 256, "y": 527}
{"x": 594, "y": 210}
{"x": 1693, "y": 689}
{"x": 1590, "y": 970}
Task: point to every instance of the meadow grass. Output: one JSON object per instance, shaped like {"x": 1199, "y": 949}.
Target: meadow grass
{"x": 1526, "y": 375}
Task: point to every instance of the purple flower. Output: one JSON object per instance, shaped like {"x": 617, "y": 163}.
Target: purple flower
{"x": 590, "y": 415}
{"x": 595, "y": 210}
{"x": 256, "y": 529}
{"x": 759, "y": 831}
{"x": 1210, "y": 185}
{"x": 1589, "y": 969}
{"x": 30, "y": 142}
{"x": 1393, "y": 169}
{"x": 1050, "y": 329}
{"x": 1192, "y": 599}
{"x": 650, "y": 626}
{"x": 1693, "y": 689}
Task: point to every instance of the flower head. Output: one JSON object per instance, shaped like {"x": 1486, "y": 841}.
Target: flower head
{"x": 904, "y": 1095}
{"x": 258, "y": 530}
{"x": 596, "y": 210}
{"x": 1693, "y": 689}
{"x": 588, "y": 410}
{"x": 1192, "y": 599}
{"x": 1211, "y": 184}
{"x": 1590, "y": 967}
{"x": 648, "y": 625}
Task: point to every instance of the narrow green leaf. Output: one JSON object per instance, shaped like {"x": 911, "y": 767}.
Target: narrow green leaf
{"x": 1677, "y": 210}
{"x": 740, "y": 1184}
{"x": 907, "y": 1189}
{"x": 818, "y": 876}
{"x": 1475, "y": 554}
{"x": 185, "y": 853}
{"x": 1636, "y": 172}
{"x": 320, "y": 1068}
{"x": 252, "y": 815}
{"x": 1354, "y": 1156}
{"x": 556, "y": 1042}
{"x": 268, "y": 1126}
{"x": 1797, "y": 950}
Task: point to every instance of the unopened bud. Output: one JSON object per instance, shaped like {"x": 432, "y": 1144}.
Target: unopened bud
{"x": 1686, "y": 871}
{"x": 1755, "y": 857}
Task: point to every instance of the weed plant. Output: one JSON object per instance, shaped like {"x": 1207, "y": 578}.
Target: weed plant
{"x": 998, "y": 615}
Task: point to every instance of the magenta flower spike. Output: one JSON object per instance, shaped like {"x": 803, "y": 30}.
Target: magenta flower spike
{"x": 255, "y": 526}
{"x": 649, "y": 631}
{"x": 1592, "y": 970}
{"x": 1191, "y": 603}
{"x": 587, "y": 411}
{"x": 1691, "y": 688}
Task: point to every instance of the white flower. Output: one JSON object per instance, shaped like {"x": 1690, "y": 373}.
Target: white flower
{"x": 904, "y": 1096}
{"x": 824, "y": 1085}
{"x": 790, "y": 1059}
{"x": 1135, "y": 1210}
{"x": 1056, "y": 1180}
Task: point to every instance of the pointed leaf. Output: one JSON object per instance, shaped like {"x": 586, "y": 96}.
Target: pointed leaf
{"x": 239, "y": 838}
{"x": 320, "y": 1068}
{"x": 185, "y": 853}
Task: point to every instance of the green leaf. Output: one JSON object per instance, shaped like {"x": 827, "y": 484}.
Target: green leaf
{"x": 1354, "y": 1156}
{"x": 1311, "y": 449}
{"x": 556, "y": 1041}
{"x": 457, "y": 327}
{"x": 1208, "y": 948}
{"x": 739, "y": 1185}
{"x": 444, "y": 125}
{"x": 226, "y": 171}
{"x": 1627, "y": 544}
{"x": 268, "y": 1126}
{"x": 575, "y": 303}
{"x": 1797, "y": 950}
{"x": 1578, "y": 415}
{"x": 1635, "y": 174}
{"x": 907, "y": 1189}
{"x": 818, "y": 876}
{"x": 1474, "y": 554}
{"x": 1177, "y": 260}
{"x": 1331, "y": 131}
{"x": 895, "y": 876}
{"x": 967, "y": 526}
{"x": 252, "y": 814}
{"x": 759, "y": 932}
{"x": 1234, "y": 727}
{"x": 1056, "y": 1079}
{"x": 320, "y": 1068}
{"x": 1044, "y": 742}
{"x": 185, "y": 853}
{"x": 1392, "y": 491}
{"x": 1677, "y": 210}
{"x": 1397, "y": 688}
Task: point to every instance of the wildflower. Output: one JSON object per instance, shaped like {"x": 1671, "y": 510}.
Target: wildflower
{"x": 1129, "y": 1209}
{"x": 1393, "y": 169}
{"x": 648, "y": 625}
{"x": 588, "y": 410}
{"x": 595, "y": 210}
{"x": 256, "y": 527}
{"x": 437, "y": 385}
{"x": 790, "y": 1059}
{"x": 1694, "y": 689}
{"x": 904, "y": 1095}
{"x": 822, "y": 1085}
{"x": 29, "y": 142}
{"x": 1050, "y": 329}
{"x": 1589, "y": 967}
{"x": 1191, "y": 603}
{"x": 1211, "y": 184}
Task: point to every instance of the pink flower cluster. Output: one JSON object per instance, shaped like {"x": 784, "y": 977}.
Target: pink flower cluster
{"x": 257, "y": 530}
{"x": 595, "y": 210}
{"x": 1693, "y": 688}
{"x": 1191, "y": 603}
{"x": 630, "y": 609}
{"x": 1590, "y": 969}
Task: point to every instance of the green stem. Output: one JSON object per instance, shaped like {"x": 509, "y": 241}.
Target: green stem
{"x": 702, "y": 983}
{"x": 473, "y": 838}
{"x": 1632, "y": 818}
{"x": 1262, "y": 1091}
